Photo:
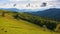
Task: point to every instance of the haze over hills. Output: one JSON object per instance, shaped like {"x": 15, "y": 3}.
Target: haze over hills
{"x": 19, "y": 10}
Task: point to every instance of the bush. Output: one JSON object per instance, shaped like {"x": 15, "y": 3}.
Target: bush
{"x": 51, "y": 26}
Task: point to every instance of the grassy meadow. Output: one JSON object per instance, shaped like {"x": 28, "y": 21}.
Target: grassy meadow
{"x": 26, "y": 24}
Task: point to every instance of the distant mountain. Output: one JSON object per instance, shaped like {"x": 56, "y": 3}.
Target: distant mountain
{"x": 19, "y": 10}
{"x": 10, "y": 9}
{"x": 49, "y": 13}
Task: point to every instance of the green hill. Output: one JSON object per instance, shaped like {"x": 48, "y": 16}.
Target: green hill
{"x": 9, "y": 25}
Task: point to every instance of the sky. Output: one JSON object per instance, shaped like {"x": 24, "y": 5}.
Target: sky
{"x": 34, "y": 4}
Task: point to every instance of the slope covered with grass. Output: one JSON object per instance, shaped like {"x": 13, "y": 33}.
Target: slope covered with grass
{"x": 9, "y": 25}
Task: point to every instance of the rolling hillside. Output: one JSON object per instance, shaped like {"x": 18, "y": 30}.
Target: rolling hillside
{"x": 9, "y": 25}
{"x": 53, "y": 13}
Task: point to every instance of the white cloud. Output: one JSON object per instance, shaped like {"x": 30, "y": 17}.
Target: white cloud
{"x": 6, "y": 5}
{"x": 35, "y": 4}
{"x": 15, "y": 0}
{"x": 18, "y": 0}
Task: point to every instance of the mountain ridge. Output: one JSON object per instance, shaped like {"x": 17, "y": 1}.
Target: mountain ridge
{"x": 20, "y": 10}
{"x": 49, "y": 13}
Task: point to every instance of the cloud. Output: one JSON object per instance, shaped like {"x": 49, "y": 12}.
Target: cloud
{"x": 15, "y": 0}
{"x": 35, "y": 4}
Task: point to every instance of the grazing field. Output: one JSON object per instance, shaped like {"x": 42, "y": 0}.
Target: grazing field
{"x": 9, "y": 25}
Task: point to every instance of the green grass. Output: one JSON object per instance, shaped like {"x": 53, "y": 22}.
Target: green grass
{"x": 13, "y": 26}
